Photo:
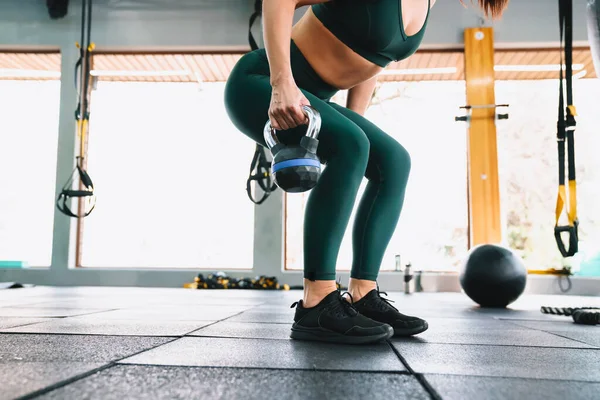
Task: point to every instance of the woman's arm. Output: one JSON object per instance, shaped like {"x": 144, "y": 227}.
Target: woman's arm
{"x": 278, "y": 16}
{"x": 359, "y": 97}
{"x": 285, "y": 111}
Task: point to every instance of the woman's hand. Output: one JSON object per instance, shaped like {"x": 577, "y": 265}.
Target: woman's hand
{"x": 285, "y": 110}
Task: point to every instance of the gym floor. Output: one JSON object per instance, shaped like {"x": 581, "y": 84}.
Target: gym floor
{"x": 134, "y": 343}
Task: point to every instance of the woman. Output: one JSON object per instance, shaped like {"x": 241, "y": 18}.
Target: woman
{"x": 337, "y": 45}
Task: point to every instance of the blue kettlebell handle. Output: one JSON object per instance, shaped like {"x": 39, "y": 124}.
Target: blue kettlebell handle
{"x": 314, "y": 126}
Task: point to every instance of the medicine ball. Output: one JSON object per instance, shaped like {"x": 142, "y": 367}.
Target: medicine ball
{"x": 493, "y": 276}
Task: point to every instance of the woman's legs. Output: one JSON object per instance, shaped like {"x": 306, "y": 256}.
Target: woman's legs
{"x": 379, "y": 209}
{"x": 353, "y": 147}
{"x": 376, "y": 219}
{"x": 343, "y": 145}
{"x": 323, "y": 314}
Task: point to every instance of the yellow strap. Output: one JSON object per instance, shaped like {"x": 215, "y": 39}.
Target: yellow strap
{"x": 572, "y": 211}
{"x": 550, "y": 271}
{"x": 561, "y": 200}
{"x": 82, "y": 136}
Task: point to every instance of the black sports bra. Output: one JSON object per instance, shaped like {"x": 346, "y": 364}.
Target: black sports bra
{"x": 373, "y": 29}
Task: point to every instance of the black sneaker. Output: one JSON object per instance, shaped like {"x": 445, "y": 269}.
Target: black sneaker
{"x": 380, "y": 309}
{"x": 334, "y": 319}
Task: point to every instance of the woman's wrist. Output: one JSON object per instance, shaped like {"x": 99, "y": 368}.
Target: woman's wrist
{"x": 282, "y": 79}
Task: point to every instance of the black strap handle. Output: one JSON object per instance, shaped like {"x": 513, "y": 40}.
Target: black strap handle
{"x": 262, "y": 176}
{"x": 66, "y": 194}
{"x": 573, "y": 239}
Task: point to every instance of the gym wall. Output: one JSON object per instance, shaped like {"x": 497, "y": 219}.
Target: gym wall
{"x": 178, "y": 25}
{"x": 223, "y": 23}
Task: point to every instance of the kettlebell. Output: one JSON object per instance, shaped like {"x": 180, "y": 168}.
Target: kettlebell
{"x": 296, "y": 168}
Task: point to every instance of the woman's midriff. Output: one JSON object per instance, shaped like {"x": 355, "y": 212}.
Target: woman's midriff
{"x": 336, "y": 63}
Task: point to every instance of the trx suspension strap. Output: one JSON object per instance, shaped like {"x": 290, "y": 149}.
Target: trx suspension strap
{"x": 565, "y": 133}
{"x": 257, "y": 13}
{"x": 260, "y": 168}
{"x": 85, "y": 191}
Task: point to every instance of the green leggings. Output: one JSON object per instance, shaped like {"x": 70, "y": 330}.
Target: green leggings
{"x": 350, "y": 146}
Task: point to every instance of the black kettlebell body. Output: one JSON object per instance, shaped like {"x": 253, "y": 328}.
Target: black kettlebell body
{"x": 296, "y": 168}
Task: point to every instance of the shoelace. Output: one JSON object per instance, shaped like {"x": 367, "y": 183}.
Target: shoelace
{"x": 385, "y": 303}
{"x": 346, "y": 307}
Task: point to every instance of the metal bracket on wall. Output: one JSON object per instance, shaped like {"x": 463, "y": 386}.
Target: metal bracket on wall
{"x": 467, "y": 118}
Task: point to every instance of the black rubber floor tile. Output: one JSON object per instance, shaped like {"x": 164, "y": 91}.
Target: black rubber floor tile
{"x": 172, "y": 313}
{"x": 245, "y": 330}
{"x": 521, "y": 315}
{"x": 22, "y": 292}
{"x": 460, "y": 324}
{"x": 32, "y": 362}
{"x": 590, "y": 337}
{"x": 93, "y": 306}
{"x": 277, "y": 354}
{"x": 155, "y": 382}
{"x": 513, "y": 314}
{"x": 113, "y": 303}
{"x": 159, "y": 296}
{"x": 434, "y": 312}
{"x": 502, "y": 361}
{"x": 564, "y": 325}
{"x": 264, "y": 317}
{"x": 9, "y": 322}
{"x": 89, "y": 326}
{"x": 72, "y": 348}
{"x": 216, "y": 301}
{"x": 19, "y": 302}
{"x": 212, "y": 298}
{"x": 19, "y": 378}
{"x": 458, "y": 387}
{"x": 144, "y": 302}
{"x": 491, "y": 332}
{"x": 37, "y": 312}
{"x": 278, "y": 308}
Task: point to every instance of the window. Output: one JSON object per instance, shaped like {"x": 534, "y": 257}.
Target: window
{"x": 30, "y": 100}
{"x": 169, "y": 168}
{"x": 432, "y": 231}
{"x": 528, "y": 164}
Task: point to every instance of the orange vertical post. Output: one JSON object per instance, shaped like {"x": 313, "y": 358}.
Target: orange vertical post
{"x": 483, "y": 184}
